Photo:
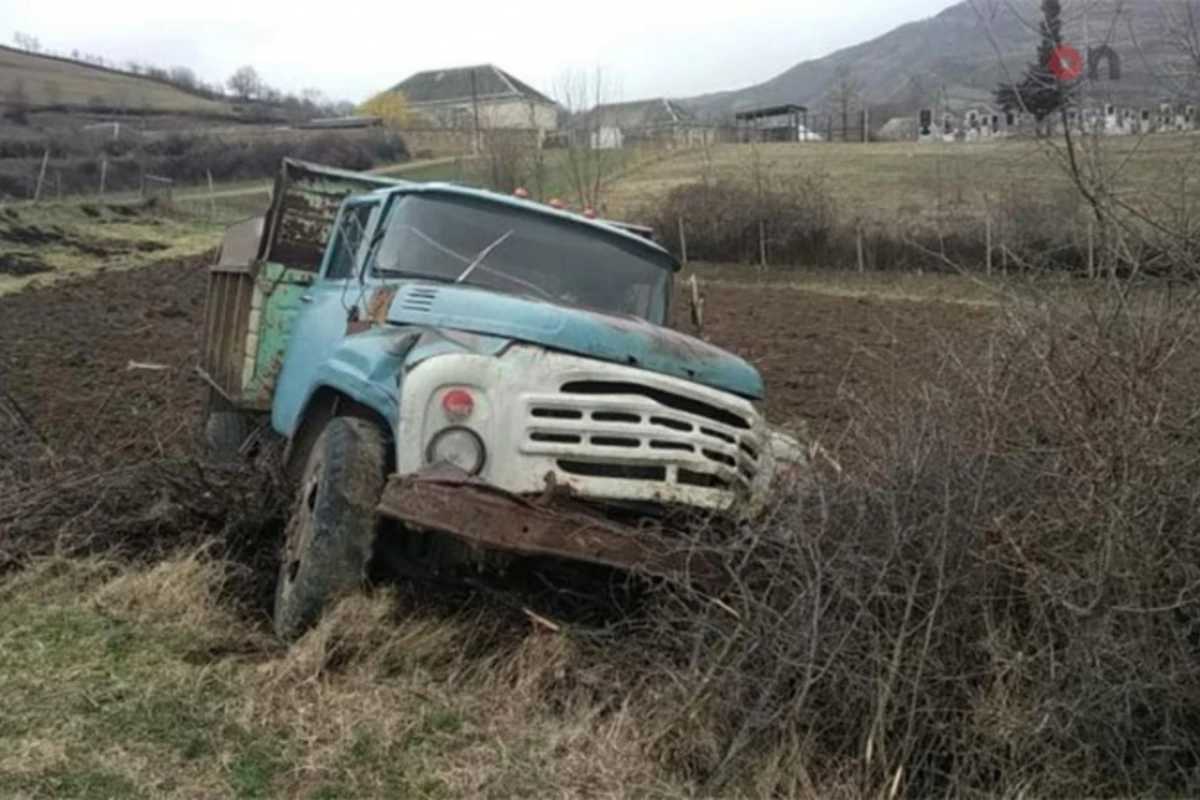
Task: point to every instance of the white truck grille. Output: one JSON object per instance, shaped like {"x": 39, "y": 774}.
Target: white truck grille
{"x": 632, "y": 431}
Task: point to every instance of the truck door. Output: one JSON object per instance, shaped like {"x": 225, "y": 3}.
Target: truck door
{"x": 325, "y": 310}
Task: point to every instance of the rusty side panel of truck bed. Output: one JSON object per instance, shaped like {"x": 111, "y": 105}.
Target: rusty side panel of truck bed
{"x": 303, "y": 207}
{"x": 265, "y": 267}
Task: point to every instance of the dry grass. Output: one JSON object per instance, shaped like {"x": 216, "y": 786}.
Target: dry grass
{"x": 50, "y": 82}
{"x": 139, "y": 680}
{"x": 917, "y": 184}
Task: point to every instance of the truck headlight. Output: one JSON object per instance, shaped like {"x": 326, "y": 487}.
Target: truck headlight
{"x": 458, "y": 447}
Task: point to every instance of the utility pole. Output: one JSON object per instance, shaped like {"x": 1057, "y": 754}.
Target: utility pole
{"x": 475, "y": 106}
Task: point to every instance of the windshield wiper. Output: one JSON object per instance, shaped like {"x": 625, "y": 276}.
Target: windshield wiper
{"x": 484, "y": 253}
{"x": 408, "y": 273}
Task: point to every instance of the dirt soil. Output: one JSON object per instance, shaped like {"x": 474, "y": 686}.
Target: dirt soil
{"x": 819, "y": 354}
{"x": 99, "y": 415}
{"x": 103, "y": 366}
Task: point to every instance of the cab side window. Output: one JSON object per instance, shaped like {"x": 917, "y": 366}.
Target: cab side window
{"x": 346, "y": 242}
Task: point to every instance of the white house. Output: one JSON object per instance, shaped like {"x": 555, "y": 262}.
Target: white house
{"x": 453, "y": 98}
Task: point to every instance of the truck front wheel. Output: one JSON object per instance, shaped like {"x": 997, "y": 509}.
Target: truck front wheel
{"x": 331, "y": 533}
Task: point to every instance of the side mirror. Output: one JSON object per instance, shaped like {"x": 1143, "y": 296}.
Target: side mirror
{"x": 696, "y": 306}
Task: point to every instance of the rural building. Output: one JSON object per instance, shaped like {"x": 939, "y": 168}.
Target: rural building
{"x": 661, "y": 121}
{"x": 457, "y": 98}
{"x": 786, "y": 123}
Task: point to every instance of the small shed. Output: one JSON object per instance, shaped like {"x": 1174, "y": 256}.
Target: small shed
{"x": 785, "y": 123}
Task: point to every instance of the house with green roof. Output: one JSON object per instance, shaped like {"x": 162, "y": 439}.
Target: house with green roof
{"x": 456, "y": 98}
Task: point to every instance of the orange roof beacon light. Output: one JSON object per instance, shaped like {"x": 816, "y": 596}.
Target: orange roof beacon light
{"x": 521, "y": 192}
{"x": 589, "y": 212}
{"x": 556, "y": 202}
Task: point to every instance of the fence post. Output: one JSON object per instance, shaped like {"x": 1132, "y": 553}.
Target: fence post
{"x": 212, "y": 198}
{"x": 682, "y": 242}
{"x": 103, "y": 173}
{"x": 989, "y": 245}
{"x": 858, "y": 242}
{"x": 762, "y": 244}
{"x": 37, "y": 192}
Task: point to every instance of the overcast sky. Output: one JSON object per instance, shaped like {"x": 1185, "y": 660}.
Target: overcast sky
{"x": 349, "y": 50}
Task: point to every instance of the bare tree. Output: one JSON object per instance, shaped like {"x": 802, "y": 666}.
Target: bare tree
{"x": 183, "y": 76}
{"x": 1180, "y": 33}
{"x": 246, "y": 83}
{"x": 537, "y": 152}
{"x": 313, "y": 97}
{"x": 588, "y": 163}
{"x": 26, "y": 42}
{"x": 844, "y": 95}
{"x": 506, "y": 151}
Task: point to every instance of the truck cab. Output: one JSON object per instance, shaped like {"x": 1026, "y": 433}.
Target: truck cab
{"x": 452, "y": 365}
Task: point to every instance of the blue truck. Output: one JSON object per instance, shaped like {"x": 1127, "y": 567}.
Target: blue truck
{"x": 461, "y": 376}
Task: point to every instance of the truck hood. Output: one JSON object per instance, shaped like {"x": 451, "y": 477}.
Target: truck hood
{"x": 621, "y": 340}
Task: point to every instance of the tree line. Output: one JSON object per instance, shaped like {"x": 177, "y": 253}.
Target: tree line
{"x": 244, "y": 84}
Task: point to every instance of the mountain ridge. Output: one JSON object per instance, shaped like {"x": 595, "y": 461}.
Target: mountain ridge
{"x": 958, "y": 56}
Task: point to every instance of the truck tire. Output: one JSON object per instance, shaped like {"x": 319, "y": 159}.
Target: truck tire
{"x": 330, "y": 537}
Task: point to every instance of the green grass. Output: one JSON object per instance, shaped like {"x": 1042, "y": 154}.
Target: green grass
{"x": 49, "y": 81}
{"x": 179, "y": 233}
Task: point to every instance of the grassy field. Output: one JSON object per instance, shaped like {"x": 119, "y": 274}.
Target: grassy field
{"x": 909, "y": 182}
{"x": 47, "y": 81}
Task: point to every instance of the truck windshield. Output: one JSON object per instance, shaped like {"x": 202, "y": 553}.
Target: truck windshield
{"x": 508, "y": 250}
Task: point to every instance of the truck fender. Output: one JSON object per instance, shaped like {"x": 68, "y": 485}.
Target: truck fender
{"x": 361, "y": 378}
{"x": 323, "y": 405}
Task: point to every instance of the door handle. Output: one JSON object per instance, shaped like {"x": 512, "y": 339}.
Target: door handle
{"x": 306, "y": 298}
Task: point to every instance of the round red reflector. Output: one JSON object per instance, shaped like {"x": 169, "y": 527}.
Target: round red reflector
{"x": 458, "y": 404}
{"x": 1066, "y": 63}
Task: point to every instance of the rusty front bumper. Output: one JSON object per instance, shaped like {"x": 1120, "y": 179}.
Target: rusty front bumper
{"x": 453, "y": 503}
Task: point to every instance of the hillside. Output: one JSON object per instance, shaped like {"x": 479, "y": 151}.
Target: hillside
{"x": 959, "y": 55}
{"x": 44, "y": 81}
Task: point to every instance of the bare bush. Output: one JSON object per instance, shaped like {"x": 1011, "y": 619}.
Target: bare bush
{"x": 1001, "y": 600}
{"x": 190, "y": 159}
{"x": 724, "y": 220}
